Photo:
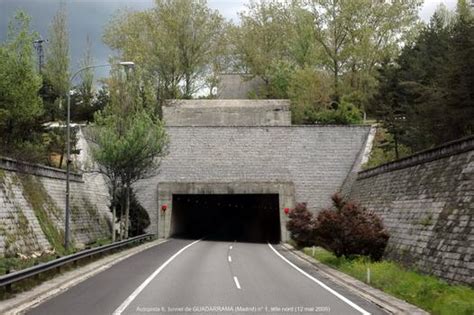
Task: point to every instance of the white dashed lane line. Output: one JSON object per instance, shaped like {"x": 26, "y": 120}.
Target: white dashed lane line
{"x": 229, "y": 259}
{"x": 237, "y": 284}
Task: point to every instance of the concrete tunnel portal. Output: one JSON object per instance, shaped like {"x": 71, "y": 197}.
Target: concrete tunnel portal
{"x": 227, "y": 217}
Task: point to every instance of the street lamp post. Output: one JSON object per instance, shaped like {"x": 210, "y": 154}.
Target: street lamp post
{"x": 125, "y": 64}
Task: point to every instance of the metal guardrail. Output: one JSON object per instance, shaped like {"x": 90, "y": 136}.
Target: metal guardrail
{"x": 8, "y": 279}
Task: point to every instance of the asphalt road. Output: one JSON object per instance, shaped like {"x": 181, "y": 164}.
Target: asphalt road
{"x": 208, "y": 277}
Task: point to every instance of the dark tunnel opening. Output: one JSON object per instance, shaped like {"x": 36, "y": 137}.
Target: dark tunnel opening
{"x": 231, "y": 217}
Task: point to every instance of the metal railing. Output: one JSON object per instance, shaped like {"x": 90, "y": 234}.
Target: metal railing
{"x": 8, "y": 279}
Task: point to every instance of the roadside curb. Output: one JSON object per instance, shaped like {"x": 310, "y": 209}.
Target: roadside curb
{"x": 26, "y": 300}
{"x": 385, "y": 301}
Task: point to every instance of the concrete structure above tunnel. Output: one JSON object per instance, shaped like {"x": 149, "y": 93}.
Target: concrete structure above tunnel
{"x": 227, "y": 113}
{"x": 315, "y": 161}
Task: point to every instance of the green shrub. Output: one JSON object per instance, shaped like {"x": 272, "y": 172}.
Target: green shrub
{"x": 343, "y": 114}
{"x": 44, "y": 209}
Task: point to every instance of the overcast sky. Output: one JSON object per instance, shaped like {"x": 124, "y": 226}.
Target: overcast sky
{"x": 88, "y": 17}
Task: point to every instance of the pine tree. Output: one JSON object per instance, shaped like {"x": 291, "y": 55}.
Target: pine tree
{"x": 20, "y": 105}
{"x": 459, "y": 78}
{"x": 56, "y": 72}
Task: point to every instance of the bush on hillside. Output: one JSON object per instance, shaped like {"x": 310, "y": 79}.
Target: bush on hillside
{"x": 344, "y": 113}
{"x": 349, "y": 229}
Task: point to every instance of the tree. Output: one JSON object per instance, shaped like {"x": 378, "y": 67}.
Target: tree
{"x": 415, "y": 89}
{"x": 128, "y": 150}
{"x": 383, "y": 149}
{"x": 260, "y": 43}
{"x": 139, "y": 218}
{"x": 291, "y": 45}
{"x": 356, "y": 35}
{"x": 310, "y": 92}
{"x": 425, "y": 96}
{"x": 459, "y": 80}
{"x": 56, "y": 72}
{"x": 173, "y": 43}
{"x": 83, "y": 102}
{"x": 130, "y": 140}
{"x": 20, "y": 105}
{"x": 387, "y": 104}
{"x": 344, "y": 38}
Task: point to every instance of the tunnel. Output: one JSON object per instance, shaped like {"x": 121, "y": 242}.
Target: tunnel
{"x": 227, "y": 217}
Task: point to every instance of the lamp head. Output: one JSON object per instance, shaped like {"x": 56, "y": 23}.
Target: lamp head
{"x": 127, "y": 64}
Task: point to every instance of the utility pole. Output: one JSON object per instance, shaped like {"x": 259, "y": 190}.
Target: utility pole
{"x": 40, "y": 53}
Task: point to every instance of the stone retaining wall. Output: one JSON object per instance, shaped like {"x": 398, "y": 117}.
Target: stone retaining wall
{"x": 426, "y": 201}
{"x": 32, "y": 202}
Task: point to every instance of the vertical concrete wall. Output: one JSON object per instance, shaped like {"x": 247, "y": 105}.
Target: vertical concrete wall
{"x": 227, "y": 113}
{"x": 426, "y": 201}
{"x": 238, "y": 86}
{"x": 32, "y": 202}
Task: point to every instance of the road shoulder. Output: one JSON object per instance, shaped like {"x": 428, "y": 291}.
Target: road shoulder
{"x": 383, "y": 300}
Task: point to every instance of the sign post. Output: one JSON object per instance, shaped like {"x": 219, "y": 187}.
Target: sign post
{"x": 164, "y": 207}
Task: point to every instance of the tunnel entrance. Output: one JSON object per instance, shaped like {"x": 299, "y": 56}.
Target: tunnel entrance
{"x": 227, "y": 217}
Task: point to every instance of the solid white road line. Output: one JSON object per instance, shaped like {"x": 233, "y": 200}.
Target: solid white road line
{"x": 343, "y": 298}
{"x": 237, "y": 284}
{"x": 135, "y": 293}
{"x": 229, "y": 258}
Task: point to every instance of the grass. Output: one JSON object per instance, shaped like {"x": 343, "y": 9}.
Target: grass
{"x": 14, "y": 264}
{"x": 427, "y": 292}
{"x": 100, "y": 242}
{"x": 35, "y": 193}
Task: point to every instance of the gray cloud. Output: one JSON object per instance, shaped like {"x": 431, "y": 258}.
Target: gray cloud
{"x": 86, "y": 18}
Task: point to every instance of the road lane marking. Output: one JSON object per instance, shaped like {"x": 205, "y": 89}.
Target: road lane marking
{"x": 341, "y": 297}
{"x": 237, "y": 284}
{"x": 229, "y": 258}
{"x": 230, "y": 247}
{"x": 137, "y": 291}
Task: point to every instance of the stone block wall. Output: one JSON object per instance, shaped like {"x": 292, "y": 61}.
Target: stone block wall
{"x": 426, "y": 201}
{"x": 316, "y": 159}
{"x": 32, "y": 202}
